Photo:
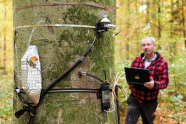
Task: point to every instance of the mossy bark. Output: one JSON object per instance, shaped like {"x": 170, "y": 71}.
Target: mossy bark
{"x": 62, "y": 47}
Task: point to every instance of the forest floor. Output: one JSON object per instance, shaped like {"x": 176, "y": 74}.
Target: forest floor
{"x": 169, "y": 111}
{"x": 6, "y": 98}
{"x": 166, "y": 113}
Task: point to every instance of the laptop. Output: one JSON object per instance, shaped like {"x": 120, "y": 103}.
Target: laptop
{"x": 137, "y": 76}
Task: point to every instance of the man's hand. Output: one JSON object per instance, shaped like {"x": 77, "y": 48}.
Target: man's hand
{"x": 150, "y": 84}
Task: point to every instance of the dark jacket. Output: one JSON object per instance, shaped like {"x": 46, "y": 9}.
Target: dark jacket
{"x": 158, "y": 69}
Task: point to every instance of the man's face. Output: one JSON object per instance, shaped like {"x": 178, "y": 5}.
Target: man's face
{"x": 148, "y": 46}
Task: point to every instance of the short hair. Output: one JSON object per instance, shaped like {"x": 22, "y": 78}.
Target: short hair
{"x": 153, "y": 40}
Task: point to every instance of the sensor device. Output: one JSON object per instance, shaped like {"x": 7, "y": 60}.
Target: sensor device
{"x": 103, "y": 26}
{"x": 105, "y": 99}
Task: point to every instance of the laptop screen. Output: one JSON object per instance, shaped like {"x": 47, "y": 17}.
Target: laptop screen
{"x": 137, "y": 75}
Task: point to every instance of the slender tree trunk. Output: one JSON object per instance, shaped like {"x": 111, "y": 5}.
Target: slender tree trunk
{"x": 159, "y": 22}
{"x": 177, "y": 31}
{"x": 147, "y": 13}
{"x": 128, "y": 30}
{"x": 137, "y": 30}
{"x": 5, "y": 40}
{"x": 153, "y": 17}
{"x": 59, "y": 48}
{"x": 183, "y": 19}
{"x": 171, "y": 35}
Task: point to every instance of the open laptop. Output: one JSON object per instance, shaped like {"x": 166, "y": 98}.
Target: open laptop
{"x": 137, "y": 76}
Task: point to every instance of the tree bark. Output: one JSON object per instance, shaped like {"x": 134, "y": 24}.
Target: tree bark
{"x": 5, "y": 41}
{"x": 59, "y": 48}
{"x": 128, "y": 33}
{"x": 153, "y": 17}
{"x": 171, "y": 35}
{"x": 183, "y": 18}
{"x": 159, "y": 23}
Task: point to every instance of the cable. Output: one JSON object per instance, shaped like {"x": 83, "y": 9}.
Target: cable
{"x": 114, "y": 93}
{"x": 68, "y": 71}
{"x": 54, "y": 25}
{"x": 31, "y": 119}
{"x": 62, "y": 76}
{"x": 88, "y": 50}
{"x": 27, "y": 106}
{"x": 67, "y": 3}
{"x": 117, "y": 102}
{"x": 93, "y": 42}
{"x": 66, "y": 90}
{"x": 116, "y": 80}
{"x": 105, "y": 75}
{"x": 111, "y": 25}
{"x": 84, "y": 73}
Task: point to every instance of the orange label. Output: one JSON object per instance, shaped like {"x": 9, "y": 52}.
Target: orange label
{"x": 33, "y": 58}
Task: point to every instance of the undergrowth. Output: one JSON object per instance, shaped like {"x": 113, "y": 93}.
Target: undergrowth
{"x": 6, "y": 95}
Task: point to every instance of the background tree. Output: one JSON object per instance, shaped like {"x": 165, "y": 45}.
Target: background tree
{"x": 59, "y": 48}
{"x": 183, "y": 22}
{"x": 5, "y": 37}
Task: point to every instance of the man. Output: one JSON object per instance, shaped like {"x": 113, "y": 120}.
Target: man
{"x": 143, "y": 99}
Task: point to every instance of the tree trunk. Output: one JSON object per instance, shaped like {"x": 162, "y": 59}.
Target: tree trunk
{"x": 59, "y": 48}
{"x": 171, "y": 35}
{"x": 5, "y": 41}
{"x": 183, "y": 18}
{"x": 128, "y": 33}
{"x": 138, "y": 50}
{"x": 159, "y": 23}
{"x": 147, "y": 13}
{"x": 153, "y": 17}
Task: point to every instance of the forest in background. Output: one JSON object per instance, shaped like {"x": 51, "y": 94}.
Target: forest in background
{"x": 6, "y": 61}
{"x": 162, "y": 19}
{"x": 165, "y": 21}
